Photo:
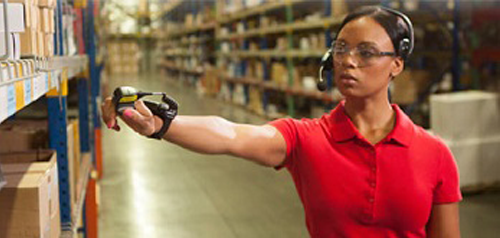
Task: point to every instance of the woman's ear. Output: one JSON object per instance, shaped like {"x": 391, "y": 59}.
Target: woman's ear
{"x": 397, "y": 67}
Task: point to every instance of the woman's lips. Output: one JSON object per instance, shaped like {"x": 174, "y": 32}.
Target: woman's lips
{"x": 347, "y": 79}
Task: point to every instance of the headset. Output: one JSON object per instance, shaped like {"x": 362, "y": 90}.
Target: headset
{"x": 404, "y": 50}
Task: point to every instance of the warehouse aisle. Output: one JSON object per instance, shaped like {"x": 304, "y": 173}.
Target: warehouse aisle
{"x": 155, "y": 189}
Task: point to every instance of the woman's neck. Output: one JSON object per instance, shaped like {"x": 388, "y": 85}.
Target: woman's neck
{"x": 371, "y": 114}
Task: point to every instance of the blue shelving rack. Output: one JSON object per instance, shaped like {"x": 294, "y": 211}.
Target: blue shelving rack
{"x": 49, "y": 77}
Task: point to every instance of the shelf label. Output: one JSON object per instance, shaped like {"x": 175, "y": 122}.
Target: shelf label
{"x": 46, "y": 82}
{"x": 19, "y": 85}
{"x": 3, "y": 103}
{"x": 36, "y": 87}
{"x": 11, "y": 99}
{"x": 28, "y": 93}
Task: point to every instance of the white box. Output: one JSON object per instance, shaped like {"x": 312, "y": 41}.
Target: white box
{"x": 16, "y": 17}
{"x": 478, "y": 160}
{"x": 14, "y": 46}
{"x": 16, "y": 25}
{"x": 465, "y": 115}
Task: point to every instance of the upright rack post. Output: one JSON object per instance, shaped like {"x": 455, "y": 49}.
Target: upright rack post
{"x": 58, "y": 141}
{"x": 91, "y": 220}
{"x": 289, "y": 59}
{"x": 455, "y": 68}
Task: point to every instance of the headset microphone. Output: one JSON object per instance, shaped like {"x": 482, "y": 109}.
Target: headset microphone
{"x": 326, "y": 65}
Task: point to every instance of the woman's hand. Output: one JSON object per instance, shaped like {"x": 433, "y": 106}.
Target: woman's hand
{"x": 141, "y": 120}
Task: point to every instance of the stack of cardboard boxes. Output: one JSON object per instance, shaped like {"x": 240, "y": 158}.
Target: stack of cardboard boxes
{"x": 469, "y": 122}
{"x": 29, "y": 204}
{"x": 38, "y": 36}
{"x": 123, "y": 57}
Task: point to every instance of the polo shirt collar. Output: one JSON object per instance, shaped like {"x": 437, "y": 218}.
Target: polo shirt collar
{"x": 344, "y": 129}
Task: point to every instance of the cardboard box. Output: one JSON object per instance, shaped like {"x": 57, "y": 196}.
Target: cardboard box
{"x": 279, "y": 74}
{"x": 404, "y": 89}
{"x": 52, "y": 27}
{"x": 44, "y": 20}
{"x": 339, "y": 8}
{"x": 408, "y": 85}
{"x": 29, "y": 203}
{"x": 49, "y": 45}
{"x": 465, "y": 115}
{"x": 47, "y": 3}
{"x": 23, "y": 135}
{"x": 29, "y": 43}
{"x": 41, "y": 43}
{"x": 74, "y": 161}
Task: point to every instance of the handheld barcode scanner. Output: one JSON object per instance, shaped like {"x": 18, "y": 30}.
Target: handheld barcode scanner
{"x": 125, "y": 97}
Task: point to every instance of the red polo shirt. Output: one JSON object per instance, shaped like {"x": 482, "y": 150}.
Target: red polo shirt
{"x": 350, "y": 188}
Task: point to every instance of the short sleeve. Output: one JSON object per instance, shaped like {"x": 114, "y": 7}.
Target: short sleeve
{"x": 288, "y": 129}
{"x": 448, "y": 185}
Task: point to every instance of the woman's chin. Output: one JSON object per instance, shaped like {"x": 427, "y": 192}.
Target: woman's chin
{"x": 349, "y": 92}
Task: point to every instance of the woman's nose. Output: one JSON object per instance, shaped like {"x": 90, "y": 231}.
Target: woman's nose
{"x": 348, "y": 60}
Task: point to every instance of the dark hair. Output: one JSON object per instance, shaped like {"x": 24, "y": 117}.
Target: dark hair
{"x": 394, "y": 25}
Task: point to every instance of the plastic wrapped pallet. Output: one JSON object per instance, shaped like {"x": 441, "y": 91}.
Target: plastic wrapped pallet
{"x": 465, "y": 115}
{"x": 478, "y": 161}
{"x": 469, "y": 122}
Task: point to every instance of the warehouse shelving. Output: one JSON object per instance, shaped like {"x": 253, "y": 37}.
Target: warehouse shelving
{"x": 325, "y": 23}
{"x": 50, "y": 77}
{"x": 18, "y": 92}
{"x": 256, "y": 10}
{"x": 183, "y": 69}
{"x": 24, "y": 81}
{"x": 239, "y": 54}
{"x": 314, "y": 94}
{"x": 85, "y": 173}
{"x": 273, "y": 54}
{"x": 192, "y": 29}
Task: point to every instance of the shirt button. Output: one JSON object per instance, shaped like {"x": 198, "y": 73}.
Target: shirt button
{"x": 372, "y": 185}
{"x": 371, "y": 200}
{"x": 374, "y": 169}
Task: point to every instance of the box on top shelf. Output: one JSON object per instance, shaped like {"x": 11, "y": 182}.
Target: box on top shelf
{"x": 29, "y": 203}
{"x": 41, "y": 43}
{"x": 30, "y": 15}
{"x": 20, "y": 135}
{"x": 29, "y": 43}
{"x": 47, "y": 3}
{"x": 16, "y": 25}
{"x": 51, "y": 23}
{"x": 48, "y": 45}
{"x": 339, "y": 8}
{"x": 16, "y": 17}
{"x": 44, "y": 20}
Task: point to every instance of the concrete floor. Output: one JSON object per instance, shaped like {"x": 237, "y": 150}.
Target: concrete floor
{"x": 155, "y": 189}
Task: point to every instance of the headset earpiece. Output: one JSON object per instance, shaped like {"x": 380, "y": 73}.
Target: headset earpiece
{"x": 404, "y": 48}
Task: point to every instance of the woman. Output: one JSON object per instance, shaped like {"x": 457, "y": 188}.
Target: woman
{"x": 364, "y": 170}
